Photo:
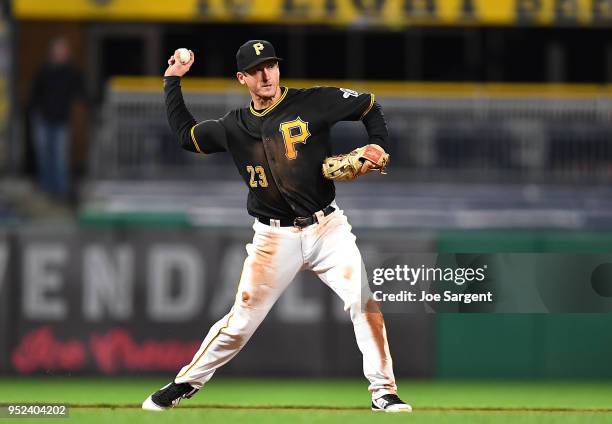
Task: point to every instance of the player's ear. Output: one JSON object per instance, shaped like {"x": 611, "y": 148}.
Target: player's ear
{"x": 240, "y": 77}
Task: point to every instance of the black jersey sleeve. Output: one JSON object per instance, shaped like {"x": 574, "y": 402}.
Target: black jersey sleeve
{"x": 343, "y": 104}
{"x": 203, "y": 137}
{"x": 376, "y": 126}
{"x": 209, "y": 136}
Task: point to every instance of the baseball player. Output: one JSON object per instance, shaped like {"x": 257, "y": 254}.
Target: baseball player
{"x": 278, "y": 144}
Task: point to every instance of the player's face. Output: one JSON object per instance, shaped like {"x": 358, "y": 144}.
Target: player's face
{"x": 262, "y": 80}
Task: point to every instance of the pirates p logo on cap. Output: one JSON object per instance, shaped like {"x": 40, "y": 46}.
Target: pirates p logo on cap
{"x": 258, "y": 48}
{"x": 254, "y": 52}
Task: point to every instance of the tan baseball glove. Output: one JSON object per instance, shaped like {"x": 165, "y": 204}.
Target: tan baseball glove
{"x": 348, "y": 166}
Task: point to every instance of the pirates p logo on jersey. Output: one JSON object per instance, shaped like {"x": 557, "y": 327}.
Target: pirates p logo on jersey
{"x": 295, "y": 131}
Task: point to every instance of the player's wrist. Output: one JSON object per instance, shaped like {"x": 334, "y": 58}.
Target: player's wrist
{"x": 171, "y": 82}
{"x": 172, "y": 73}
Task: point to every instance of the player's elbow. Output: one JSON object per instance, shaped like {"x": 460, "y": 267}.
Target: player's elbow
{"x": 187, "y": 140}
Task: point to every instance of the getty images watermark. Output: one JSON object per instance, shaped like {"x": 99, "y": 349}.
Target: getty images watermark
{"x": 420, "y": 284}
{"x": 491, "y": 282}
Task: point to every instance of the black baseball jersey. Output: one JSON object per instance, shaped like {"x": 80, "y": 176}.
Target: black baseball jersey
{"x": 279, "y": 150}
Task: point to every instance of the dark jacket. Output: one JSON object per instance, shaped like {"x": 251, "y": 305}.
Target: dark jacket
{"x": 54, "y": 90}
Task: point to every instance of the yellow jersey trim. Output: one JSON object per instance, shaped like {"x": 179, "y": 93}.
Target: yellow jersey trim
{"x": 208, "y": 345}
{"x": 269, "y": 108}
{"x": 369, "y": 107}
{"x": 195, "y": 143}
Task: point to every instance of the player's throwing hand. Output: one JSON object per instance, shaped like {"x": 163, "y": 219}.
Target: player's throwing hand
{"x": 175, "y": 67}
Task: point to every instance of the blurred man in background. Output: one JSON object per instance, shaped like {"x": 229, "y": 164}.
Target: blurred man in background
{"x": 56, "y": 86}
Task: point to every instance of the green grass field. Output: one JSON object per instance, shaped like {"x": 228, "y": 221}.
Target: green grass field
{"x": 227, "y": 400}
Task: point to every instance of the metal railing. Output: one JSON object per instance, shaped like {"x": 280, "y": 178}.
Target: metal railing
{"x": 478, "y": 136}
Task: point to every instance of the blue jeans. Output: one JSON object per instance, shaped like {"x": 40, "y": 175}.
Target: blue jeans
{"x": 51, "y": 143}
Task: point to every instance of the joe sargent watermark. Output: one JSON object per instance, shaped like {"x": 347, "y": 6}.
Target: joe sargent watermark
{"x": 414, "y": 278}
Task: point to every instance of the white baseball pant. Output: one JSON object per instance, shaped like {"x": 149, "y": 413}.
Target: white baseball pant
{"x": 275, "y": 256}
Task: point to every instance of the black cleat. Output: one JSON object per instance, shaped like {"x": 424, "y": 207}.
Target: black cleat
{"x": 168, "y": 396}
{"x": 390, "y": 403}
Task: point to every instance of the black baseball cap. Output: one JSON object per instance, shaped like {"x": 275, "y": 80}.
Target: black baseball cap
{"x": 254, "y": 52}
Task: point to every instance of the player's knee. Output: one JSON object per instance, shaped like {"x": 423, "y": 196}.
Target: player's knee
{"x": 358, "y": 307}
{"x": 255, "y": 297}
{"x": 354, "y": 307}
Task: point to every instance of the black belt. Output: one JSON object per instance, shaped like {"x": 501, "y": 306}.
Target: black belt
{"x": 300, "y": 221}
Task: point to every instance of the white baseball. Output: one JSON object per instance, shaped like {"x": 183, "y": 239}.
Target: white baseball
{"x": 184, "y": 56}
